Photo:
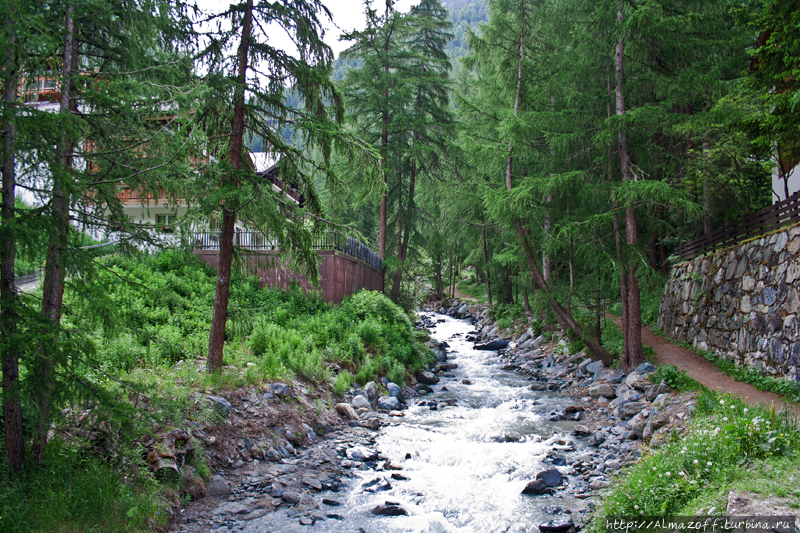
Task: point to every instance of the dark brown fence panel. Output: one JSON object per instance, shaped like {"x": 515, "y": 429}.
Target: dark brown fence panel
{"x": 762, "y": 221}
{"x": 255, "y": 240}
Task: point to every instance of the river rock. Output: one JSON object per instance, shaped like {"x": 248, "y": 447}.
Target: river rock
{"x": 613, "y": 464}
{"x": 389, "y": 509}
{"x": 312, "y": 482}
{"x": 421, "y": 388}
{"x": 538, "y": 341}
{"x": 604, "y": 374}
{"x": 561, "y": 525}
{"x": 390, "y": 403}
{"x": 537, "y": 486}
{"x": 280, "y": 390}
{"x": 372, "y": 422}
{"x": 427, "y": 378}
{"x": 631, "y": 395}
{"x": 655, "y": 390}
{"x": 371, "y": 390}
{"x": 637, "y": 381}
{"x": 602, "y": 389}
{"x": 598, "y": 484}
{"x": 594, "y": 367}
{"x": 645, "y": 368}
{"x": 633, "y": 408}
{"x": 597, "y": 439}
{"x": 394, "y": 390}
{"x": 580, "y": 430}
{"x": 220, "y": 405}
{"x": 551, "y": 477}
{"x": 291, "y": 496}
{"x": 360, "y": 453}
{"x": 347, "y": 410}
{"x": 378, "y": 484}
{"x": 217, "y": 486}
{"x": 359, "y": 402}
{"x": 496, "y": 344}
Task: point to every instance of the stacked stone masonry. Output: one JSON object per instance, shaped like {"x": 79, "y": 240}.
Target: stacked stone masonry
{"x": 741, "y": 303}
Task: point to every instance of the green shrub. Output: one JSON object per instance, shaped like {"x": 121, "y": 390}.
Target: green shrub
{"x": 343, "y": 383}
{"x": 397, "y": 375}
{"x": 676, "y": 379}
{"x": 370, "y": 332}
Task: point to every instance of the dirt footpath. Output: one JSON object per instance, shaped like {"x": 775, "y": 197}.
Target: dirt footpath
{"x": 706, "y": 373}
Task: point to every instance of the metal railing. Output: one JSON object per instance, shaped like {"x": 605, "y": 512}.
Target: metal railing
{"x": 255, "y": 240}
{"x": 762, "y": 221}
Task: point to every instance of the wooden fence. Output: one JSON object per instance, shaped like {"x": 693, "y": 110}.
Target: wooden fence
{"x": 255, "y": 240}
{"x": 762, "y": 221}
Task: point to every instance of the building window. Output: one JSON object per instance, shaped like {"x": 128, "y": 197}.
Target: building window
{"x": 164, "y": 222}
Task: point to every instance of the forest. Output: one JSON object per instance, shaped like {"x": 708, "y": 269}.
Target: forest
{"x": 547, "y": 154}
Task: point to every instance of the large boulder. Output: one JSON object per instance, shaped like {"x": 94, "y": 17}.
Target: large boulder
{"x": 359, "y": 402}
{"x": 389, "y": 403}
{"x": 371, "y": 390}
{"x": 535, "y": 487}
{"x": 497, "y": 344}
{"x": 360, "y": 453}
{"x": 394, "y": 390}
{"x": 636, "y": 381}
{"x": 551, "y": 477}
{"x": 427, "y": 378}
{"x": 602, "y": 389}
{"x": 217, "y": 486}
{"x": 347, "y": 410}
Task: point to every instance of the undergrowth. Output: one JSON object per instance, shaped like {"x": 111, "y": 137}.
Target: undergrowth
{"x": 142, "y": 365}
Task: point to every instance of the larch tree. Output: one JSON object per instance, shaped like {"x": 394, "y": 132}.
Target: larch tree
{"x": 254, "y": 76}
{"x": 428, "y": 121}
{"x": 95, "y": 54}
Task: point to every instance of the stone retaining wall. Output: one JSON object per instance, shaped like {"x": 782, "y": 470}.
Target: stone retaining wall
{"x": 741, "y": 303}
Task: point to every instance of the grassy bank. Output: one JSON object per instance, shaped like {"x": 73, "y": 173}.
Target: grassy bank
{"x": 137, "y": 367}
{"x": 729, "y": 446}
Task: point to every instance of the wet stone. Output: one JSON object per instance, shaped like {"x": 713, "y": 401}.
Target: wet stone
{"x": 389, "y": 509}
{"x": 562, "y": 525}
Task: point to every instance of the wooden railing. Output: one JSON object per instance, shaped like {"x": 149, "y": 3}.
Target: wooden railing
{"x": 762, "y": 221}
{"x": 255, "y": 240}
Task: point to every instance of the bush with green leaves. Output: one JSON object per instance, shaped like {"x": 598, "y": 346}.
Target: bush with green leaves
{"x": 676, "y": 379}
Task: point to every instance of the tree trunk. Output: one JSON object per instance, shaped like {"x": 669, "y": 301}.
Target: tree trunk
{"x": 524, "y": 288}
{"x": 382, "y": 215}
{"x": 406, "y": 233}
{"x": 632, "y": 330}
{"x": 216, "y": 339}
{"x": 12, "y": 405}
{"x": 536, "y": 275}
{"x": 486, "y": 265}
{"x": 54, "y": 271}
